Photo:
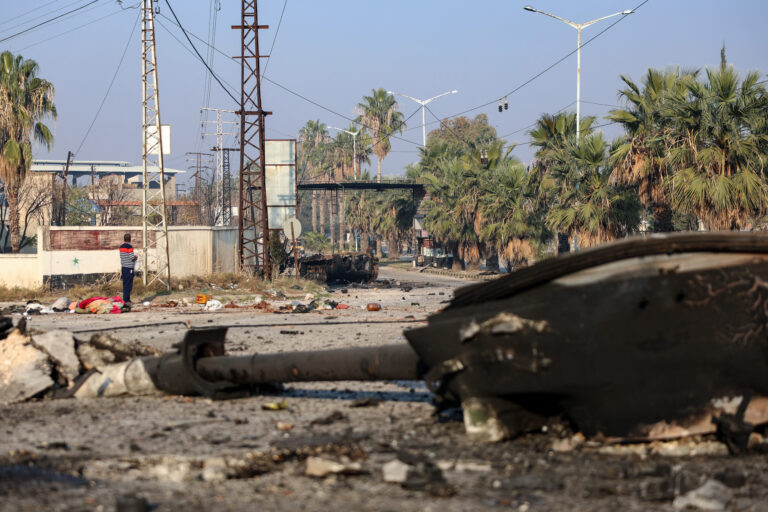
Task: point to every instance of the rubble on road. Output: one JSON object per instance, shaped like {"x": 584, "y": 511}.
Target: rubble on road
{"x": 713, "y": 495}
{"x": 55, "y": 363}
{"x": 320, "y": 467}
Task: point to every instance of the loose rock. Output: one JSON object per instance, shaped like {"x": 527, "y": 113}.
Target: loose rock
{"x": 713, "y": 495}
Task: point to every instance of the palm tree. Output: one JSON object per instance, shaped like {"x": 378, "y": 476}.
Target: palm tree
{"x": 25, "y": 99}
{"x": 592, "y": 207}
{"x": 313, "y": 140}
{"x": 720, "y": 147}
{"x": 379, "y": 114}
{"x": 554, "y": 182}
{"x": 639, "y": 158}
{"x": 513, "y": 222}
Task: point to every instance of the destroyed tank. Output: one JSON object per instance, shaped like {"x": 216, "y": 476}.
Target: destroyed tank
{"x": 653, "y": 337}
{"x": 359, "y": 267}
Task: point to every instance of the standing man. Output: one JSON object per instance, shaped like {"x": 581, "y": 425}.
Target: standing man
{"x": 127, "y": 262}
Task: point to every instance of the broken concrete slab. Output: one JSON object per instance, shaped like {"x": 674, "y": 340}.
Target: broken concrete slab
{"x": 25, "y": 371}
{"x": 60, "y": 346}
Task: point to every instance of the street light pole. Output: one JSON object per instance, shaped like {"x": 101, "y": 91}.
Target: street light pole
{"x": 423, "y": 104}
{"x": 354, "y": 148}
{"x": 578, "y": 27}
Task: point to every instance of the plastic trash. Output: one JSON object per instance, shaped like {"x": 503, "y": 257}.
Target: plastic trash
{"x": 213, "y": 305}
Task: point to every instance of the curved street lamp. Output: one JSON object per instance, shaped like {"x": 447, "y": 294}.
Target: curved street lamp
{"x": 578, "y": 27}
{"x": 423, "y": 104}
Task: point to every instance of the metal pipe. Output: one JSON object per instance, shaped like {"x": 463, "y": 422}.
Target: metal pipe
{"x": 388, "y": 362}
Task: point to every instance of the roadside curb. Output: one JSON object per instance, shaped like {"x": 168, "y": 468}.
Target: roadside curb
{"x": 453, "y": 273}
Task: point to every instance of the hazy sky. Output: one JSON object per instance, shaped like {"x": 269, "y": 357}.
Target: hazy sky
{"x": 335, "y": 51}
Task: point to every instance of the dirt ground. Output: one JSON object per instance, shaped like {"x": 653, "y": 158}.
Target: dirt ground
{"x": 182, "y": 453}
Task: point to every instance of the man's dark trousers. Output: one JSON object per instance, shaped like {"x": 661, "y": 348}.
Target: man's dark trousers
{"x": 127, "y": 283}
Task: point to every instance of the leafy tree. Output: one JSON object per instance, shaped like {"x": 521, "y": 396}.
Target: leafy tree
{"x": 316, "y": 242}
{"x": 380, "y": 115}
{"x": 25, "y": 101}
{"x": 80, "y": 207}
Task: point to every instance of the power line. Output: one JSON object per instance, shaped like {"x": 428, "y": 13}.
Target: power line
{"x": 232, "y": 59}
{"x": 548, "y": 68}
{"x": 47, "y": 21}
{"x": 111, "y": 83}
{"x": 274, "y": 40}
{"x": 200, "y": 56}
{"x": 31, "y": 11}
{"x": 232, "y": 87}
{"x": 73, "y": 29}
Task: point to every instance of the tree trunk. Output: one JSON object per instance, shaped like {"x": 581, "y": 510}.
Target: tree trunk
{"x": 457, "y": 263}
{"x": 662, "y": 218}
{"x": 12, "y": 196}
{"x": 321, "y": 217}
{"x": 378, "y": 169}
{"x": 342, "y": 222}
{"x": 394, "y": 248}
{"x": 314, "y": 210}
{"x": 331, "y": 223}
{"x": 563, "y": 243}
{"x": 492, "y": 260}
{"x": 365, "y": 242}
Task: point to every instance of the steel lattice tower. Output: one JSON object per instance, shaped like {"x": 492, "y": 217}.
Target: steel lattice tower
{"x": 253, "y": 247}
{"x": 226, "y": 212}
{"x": 153, "y": 210}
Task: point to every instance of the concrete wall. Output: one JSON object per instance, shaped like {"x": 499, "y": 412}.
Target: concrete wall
{"x": 20, "y": 270}
{"x": 83, "y": 254}
{"x": 224, "y": 250}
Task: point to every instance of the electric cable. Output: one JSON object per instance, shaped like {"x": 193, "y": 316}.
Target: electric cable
{"x": 274, "y": 40}
{"x": 29, "y": 12}
{"x": 47, "y": 21}
{"x": 290, "y": 91}
{"x": 111, "y": 83}
{"x": 548, "y": 68}
{"x": 72, "y": 29}
{"x": 215, "y": 76}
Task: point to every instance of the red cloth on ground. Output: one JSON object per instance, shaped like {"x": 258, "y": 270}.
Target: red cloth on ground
{"x": 84, "y": 304}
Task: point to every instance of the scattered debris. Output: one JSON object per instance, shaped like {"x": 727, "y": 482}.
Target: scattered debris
{"x": 275, "y": 406}
{"x": 417, "y": 474}
{"x": 329, "y": 419}
{"x": 131, "y": 503}
{"x": 320, "y": 467}
{"x": 24, "y": 370}
{"x": 368, "y": 401}
{"x": 101, "y": 305}
{"x": 713, "y": 495}
{"x": 60, "y": 347}
{"x": 282, "y": 425}
{"x": 213, "y": 305}
{"x": 61, "y": 305}
{"x": 372, "y": 306}
{"x": 202, "y": 298}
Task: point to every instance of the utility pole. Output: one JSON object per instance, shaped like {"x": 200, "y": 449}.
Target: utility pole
{"x": 153, "y": 210}
{"x": 201, "y": 163}
{"x": 253, "y": 226}
{"x": 61, "y": 209}
{"x": 220, "y": 185}
{"x": 226, "y": 188}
